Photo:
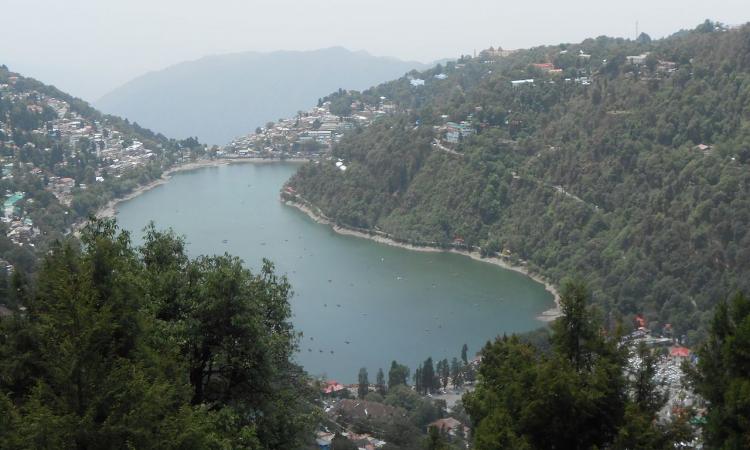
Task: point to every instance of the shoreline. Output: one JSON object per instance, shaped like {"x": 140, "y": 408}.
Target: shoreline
{"x": 109, "y": 210}
{"x": 546, "y": 316}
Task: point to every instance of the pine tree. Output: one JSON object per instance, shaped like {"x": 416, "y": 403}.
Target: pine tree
{"x": 364, "y": 384}
{"x": 456, "y": 373}
{"x": 380, "y": 382}
{"x": 722, "y": 375}
{"x": 428, "y": 376}
{"x": 398, "y": 374}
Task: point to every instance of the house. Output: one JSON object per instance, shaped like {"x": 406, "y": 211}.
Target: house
{"x": 9, "y": 206}
{"x": 638, "y": 59}
{"x": 703, "y": 147}
{"x": 5, "y": 311}
{"x": 416, "y": 82}
{"x": 679, "y": 352}
{"x": 666, "y": 66}
{"x": 330, "y": 386}
{"x": 517, "y": 83}
{"x": 545, "y": 66}
{"x": 448, "y": 425}
{"x": 323, "y": 439}
{"x": 352, "y": 410}
{"x": 457, "y": 131}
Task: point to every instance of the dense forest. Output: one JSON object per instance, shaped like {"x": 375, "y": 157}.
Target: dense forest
{"x": 124, "y": 347}
{"x": 624, "y": 162}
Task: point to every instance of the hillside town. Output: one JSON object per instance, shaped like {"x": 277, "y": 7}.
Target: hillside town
{"x": 61, "y": 160}
{"x": 72, "y": 139}
{"x": 308, "y": 135}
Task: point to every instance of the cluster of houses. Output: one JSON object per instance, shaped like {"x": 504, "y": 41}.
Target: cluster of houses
{"x": 20, "y": 228}
{"x": 662, "y": 68}
{"x": 308, "y": 135}
{"x": 670, "y": 377}
{"x": 343, "y": 408}
{"x": 114, "y": 154}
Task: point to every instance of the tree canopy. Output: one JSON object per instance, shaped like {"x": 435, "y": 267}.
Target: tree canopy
{"x": 125, "y": 347}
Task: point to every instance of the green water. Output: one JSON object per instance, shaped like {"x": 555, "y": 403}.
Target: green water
{"x": 388, "y": 303}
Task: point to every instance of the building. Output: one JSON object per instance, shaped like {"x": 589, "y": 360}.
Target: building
{"x": 9, "y": 206}
{"x": 449, "y": 425}
{"x": 545, "y": 66}
{"x": 517, "y": 83}
{"x": 331, "y": 386}
{"x": 455, "y": 132}
{"x": 638, "y": 59}
{"x": 679, "y": 352}
{"x": 352, "y": 410}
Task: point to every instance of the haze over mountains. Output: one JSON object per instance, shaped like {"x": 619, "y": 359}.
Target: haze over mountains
{"x": 220, "y": 97}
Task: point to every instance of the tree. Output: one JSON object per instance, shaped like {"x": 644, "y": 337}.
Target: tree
{"x": 574, "y": 331}
{"x": 398, "y": 374}
{"x": 380, "y": 382}
{"x": 341, "y": 442}
{"x": 364, "y": 384}
{"x": 456, "y": 373}
{"x": 643, "y": 38}
{"x": 428, "y": 377}
{"x": 464, "y": 352}
{"x": 435, "y": 440}
{"x": 574, "y": 397}
{"x": 443, "y": 370}
{"x": 722, "y": 375}
{"x": 150, "y": 349}
{"x": 646, "y": 389}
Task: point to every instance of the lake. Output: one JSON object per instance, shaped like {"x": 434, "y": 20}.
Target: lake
{"x": 358, "y": 303}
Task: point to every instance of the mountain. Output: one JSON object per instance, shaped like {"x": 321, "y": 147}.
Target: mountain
{"x": 624, "y": 163}
{"x": 220, "y": 97}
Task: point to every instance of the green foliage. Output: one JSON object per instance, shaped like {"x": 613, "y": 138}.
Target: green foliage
{"x": 421, "y": 410}
{"x": 122, "y": 348}
{"x": 364, "y": 384}
{"x": 397, "y": 375}
{"x": 722, "y": 375}
{"x": 576, "y": 396}
{"x": 380, "y": 385}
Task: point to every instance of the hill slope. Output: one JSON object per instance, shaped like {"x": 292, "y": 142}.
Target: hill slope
{"x": 62, "y": 160}
{"x": 631, "y": 173}
{"x": 224, "y": 96}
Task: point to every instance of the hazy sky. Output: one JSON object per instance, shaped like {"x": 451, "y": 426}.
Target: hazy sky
{"x": 88, "y": 47}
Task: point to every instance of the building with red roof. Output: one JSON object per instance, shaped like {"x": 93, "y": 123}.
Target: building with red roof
{"x": 679, "y": 352}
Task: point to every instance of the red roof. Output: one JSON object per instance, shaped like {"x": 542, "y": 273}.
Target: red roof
{"x": 545, "y": 66}
{"x": 332, "y": 386}
{"x": 681, "y": 352}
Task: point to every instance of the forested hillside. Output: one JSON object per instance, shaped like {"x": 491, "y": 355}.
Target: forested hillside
{"x": 623, "y": 162}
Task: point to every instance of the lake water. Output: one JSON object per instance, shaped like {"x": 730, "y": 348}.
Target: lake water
{"x": 387, "y": 303}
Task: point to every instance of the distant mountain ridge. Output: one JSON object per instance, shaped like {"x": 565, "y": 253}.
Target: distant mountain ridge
{"x": 219, "y": 97}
